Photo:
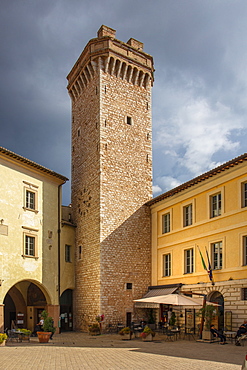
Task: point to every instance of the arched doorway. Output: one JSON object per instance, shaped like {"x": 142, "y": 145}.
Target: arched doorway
{"x": 23, "y": 304}
{"x": 66, "y": 310}
{"x": 217, "y": 297}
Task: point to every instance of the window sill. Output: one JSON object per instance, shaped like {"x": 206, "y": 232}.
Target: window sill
{"x": 214, "y": 216}
{"x": 27, "y": 256}
{"x": 30, "y": 209}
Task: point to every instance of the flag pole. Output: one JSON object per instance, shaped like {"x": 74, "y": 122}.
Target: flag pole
{"x": 210, "y": 273}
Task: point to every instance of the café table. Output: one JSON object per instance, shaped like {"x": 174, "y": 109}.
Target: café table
{"x": 230, "y": 335}
{"x": 176, "y": 332}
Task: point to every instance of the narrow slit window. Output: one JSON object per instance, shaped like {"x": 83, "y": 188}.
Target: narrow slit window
{"x": 129, "y": 120}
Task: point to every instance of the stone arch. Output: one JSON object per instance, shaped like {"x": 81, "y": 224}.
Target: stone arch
{"x": 123, "y": 70}
{"x": 87, "y": 74}
{"x": 66, "y": 310}
{"x": 134, "y": 75}
{"x": 74, "y": 91}
{"x": 117, "y": 68}
{"x": 146, "y": 80}
{"x": 23, "y": 304}
{"x": 129, "y": 73}
{"x": 216, "y": 297}
{"x": 80, "y": 83}
{"x": 111, "y": 65}
{"x": 78, "y": 88}
{"x": 140, "y": 78}
{"x": 91, "y": 68}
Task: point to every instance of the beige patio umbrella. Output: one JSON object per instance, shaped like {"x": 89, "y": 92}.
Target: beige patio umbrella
{"x": 174, "y": 299}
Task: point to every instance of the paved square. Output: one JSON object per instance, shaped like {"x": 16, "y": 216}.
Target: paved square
{"x": 108, "y": 351}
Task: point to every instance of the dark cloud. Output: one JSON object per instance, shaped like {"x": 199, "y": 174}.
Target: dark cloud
{"x": 199, "y": 49}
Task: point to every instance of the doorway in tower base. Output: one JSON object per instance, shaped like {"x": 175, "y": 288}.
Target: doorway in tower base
{"x": 66, "y": 310}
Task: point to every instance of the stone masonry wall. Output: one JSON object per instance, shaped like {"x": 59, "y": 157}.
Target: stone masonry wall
{"x": 85, "y": 204}
{"x": 233, "y": 297}
{"x": 125, "y": 186}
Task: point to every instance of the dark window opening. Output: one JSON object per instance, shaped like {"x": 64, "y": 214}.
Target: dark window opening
{"x": 129, "y": 120}
{"x": 244, "y": 294}
{"x": 67, "y": 253}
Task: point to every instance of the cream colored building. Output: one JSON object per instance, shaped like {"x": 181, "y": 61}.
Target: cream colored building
{"x": 33, "y": 270}
{"x": 209, "y": 215}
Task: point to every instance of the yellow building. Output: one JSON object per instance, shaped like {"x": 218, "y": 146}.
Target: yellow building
{"x": 209, "y": 215}
{"x": 33, "y": 271}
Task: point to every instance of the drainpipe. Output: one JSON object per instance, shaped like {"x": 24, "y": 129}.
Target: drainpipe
{"x": 59, "y": 245}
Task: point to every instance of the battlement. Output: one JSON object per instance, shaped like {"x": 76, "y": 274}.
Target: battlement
{"x": 126, "y": 61}
{"x": 106, "y": 31}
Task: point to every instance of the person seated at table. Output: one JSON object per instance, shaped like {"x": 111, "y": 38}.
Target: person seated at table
{"x": 241, "y": 330}
{"x": 143, "y": 323}
{"x": 38, "y": 327}
{"x": 217, "y": 334}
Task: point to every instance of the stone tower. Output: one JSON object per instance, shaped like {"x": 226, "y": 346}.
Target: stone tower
{"x": 110, "y": 88}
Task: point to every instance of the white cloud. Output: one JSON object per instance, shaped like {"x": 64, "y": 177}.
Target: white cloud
{"x": 165, "y": 183}
{"x": 197, "y": 132}
{"x": 156, "y": 189}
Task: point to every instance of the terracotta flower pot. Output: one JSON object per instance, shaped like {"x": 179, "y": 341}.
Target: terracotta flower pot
{"x": 126, "y": 336}
{"x": 43, "y": 336}
{"x": 148, "y": 338}
{"x": 3, "y": 343}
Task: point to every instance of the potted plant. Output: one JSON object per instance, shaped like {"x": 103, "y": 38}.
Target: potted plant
{"x": 208, "y": 313}
{"x": 48, "y": 328}
{"x": 24, "y": 334}
{"x": 151, "y": 319}
{"x": 147, "y": 334}
{"x": 3, "y": 338}
{"x": 100, "y": 319}
{"x": 126, "y": 333}
{"x": 172, "y": 320}
{"x": 94, "y": 329}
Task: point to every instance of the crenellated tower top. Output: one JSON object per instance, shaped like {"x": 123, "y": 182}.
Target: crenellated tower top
{"x": 124, "y": 60}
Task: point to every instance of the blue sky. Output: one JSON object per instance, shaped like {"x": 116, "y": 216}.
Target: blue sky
{"x": 199, "y": 94}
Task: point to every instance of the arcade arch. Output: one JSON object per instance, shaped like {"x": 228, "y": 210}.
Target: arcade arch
{"x": 24, "y": 303}
{"x": 66, "y": 310}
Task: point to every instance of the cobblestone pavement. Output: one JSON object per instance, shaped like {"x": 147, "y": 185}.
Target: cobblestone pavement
{"x": 81, "y": 351}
